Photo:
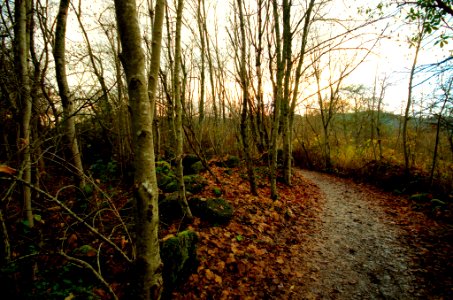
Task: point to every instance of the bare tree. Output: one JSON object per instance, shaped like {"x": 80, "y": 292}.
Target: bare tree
{"x": 245, "y": 99}
{"x": 417, "y": 43}
{"x": 148, "y": 262}
{"x": 21, "y": 57}
{"x": 67, "y": 98}
{"x": 177, "y": 99}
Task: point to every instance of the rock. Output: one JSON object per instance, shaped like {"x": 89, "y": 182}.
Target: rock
{"x": 232, "y": 161}
{"x": 179, "y": 256}
{"x": 163, "y": 167}
{"x": 215, "y": 210}
{"x": 166, "y": 179}
{"x": 188, "y": 161}
{"x": 194, "y": 183}
{"x": 196, "y": 168}
{"x": 171, "y": 186}
{"x": 169, "y": 206}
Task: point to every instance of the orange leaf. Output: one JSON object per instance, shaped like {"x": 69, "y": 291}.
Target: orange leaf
{"x": 218, "y": 279}
{"x": 209, "y": 274}
{"x": 231, "y": 259}
{"x": 280, "y": 260}
{"x": 7, "y": 170}
{"x": 220, "y": 266}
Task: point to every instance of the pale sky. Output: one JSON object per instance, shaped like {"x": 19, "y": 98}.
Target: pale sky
{"x": 391, "y": 57}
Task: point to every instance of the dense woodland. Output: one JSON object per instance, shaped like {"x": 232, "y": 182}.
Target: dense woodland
{"x": 109, "y": 107}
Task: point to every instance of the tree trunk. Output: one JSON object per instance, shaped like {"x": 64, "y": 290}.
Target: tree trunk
{"x": 277, "y": 102}
{"x": 406, "y": 148}
{"x": 286, "y": 130}
{"x": 202, "y": 67}
{"x": 67, "y": 99}
{"x": 148, "y": 262}
{"x": 177, "y": 99}
{"x": 439, "y": 124}
{"x": 245, "y": 100}
{"x": 21, "y": 60}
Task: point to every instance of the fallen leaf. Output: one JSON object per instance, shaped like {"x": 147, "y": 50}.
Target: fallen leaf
{"x": 218, "y": 279}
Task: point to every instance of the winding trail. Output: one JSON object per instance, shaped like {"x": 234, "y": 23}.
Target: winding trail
{"x": 357, "y": 251}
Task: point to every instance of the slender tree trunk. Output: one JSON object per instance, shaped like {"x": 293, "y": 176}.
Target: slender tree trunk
{"x": 406, "y": 148}
{"x": 278, "y": 94}
{"x": 65, "y": 94}
{"x": 21, "y": 59}
{"x": 202, "y": 67}
{"x": 378, "y": 119}
{"x": 439, "y": 123}
{"x": 148, "y": 262}
{"x": 177, "y": 98}
{"x": 260, "y": 114}
{"x": 286, "y": 135}
{"x": 298, "y": 75}
{"x": 245, "y": 100}
{"x": 210, "y": 66}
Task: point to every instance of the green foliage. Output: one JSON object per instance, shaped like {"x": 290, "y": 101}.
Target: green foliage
{"x": 52, "y": 282}
{"x": 217, "y": 191}
{"x": 105, "y": 171}
{"x": 433, "y": 14}
{"x": 421, "y": 197}
{"x": 85, "y": 250}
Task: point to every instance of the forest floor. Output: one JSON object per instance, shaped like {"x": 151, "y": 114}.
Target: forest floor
{"x": 325, "y": 238}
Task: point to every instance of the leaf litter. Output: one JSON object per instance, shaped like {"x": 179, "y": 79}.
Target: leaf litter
{"x": 324, "y": 238}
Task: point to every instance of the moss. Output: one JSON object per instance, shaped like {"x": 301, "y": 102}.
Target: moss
{"x": 422, "y": 197}
{"x": 197, "y": 167}
{"x": 232, "y": 161}
{"x": 194, "y": 183}
{"x": 163, "y": 167}
{"x": 171, "y": 187}
{"x": 179, "y": 256}
{"x": 215, "y": 210}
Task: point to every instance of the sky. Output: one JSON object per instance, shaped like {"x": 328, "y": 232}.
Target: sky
{"x": 391, "y": 57}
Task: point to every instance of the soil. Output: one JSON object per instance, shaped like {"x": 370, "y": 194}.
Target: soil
{"x": 358, "y": 251}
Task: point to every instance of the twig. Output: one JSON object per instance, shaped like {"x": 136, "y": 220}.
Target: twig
{"x": 84, "y": 264}
{"x": 70, "y": 212}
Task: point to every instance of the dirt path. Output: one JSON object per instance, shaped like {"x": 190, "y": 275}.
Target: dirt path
{"x": 357, "y": 251}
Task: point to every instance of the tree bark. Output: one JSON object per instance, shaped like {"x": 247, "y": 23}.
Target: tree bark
{"x": 201, "y": 103}
{"x": 286, "y": 135}
{"x": 21, "y": 60}
{"x": 278, "y": 94}
{"x": 177, "y": 99}
{"x": 148, "y": 262}
{"x": 245, "y": 100}
{"x": 67, "y": 99}
{"x": 406, "y": 148}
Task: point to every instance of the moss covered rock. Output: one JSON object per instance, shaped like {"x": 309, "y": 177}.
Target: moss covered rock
{"x": 188, "y": 161}
{"x": 194, "y": 183}
{"x": 215, "y": 210}
{"x": 197, "y": 167}
{"x": 232, "y": 161}
{"x": 163, "y": 167}
{"x": 179, "y": 256}
{"x": 166, "y": 179}
{"x": 171, "y": 186}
